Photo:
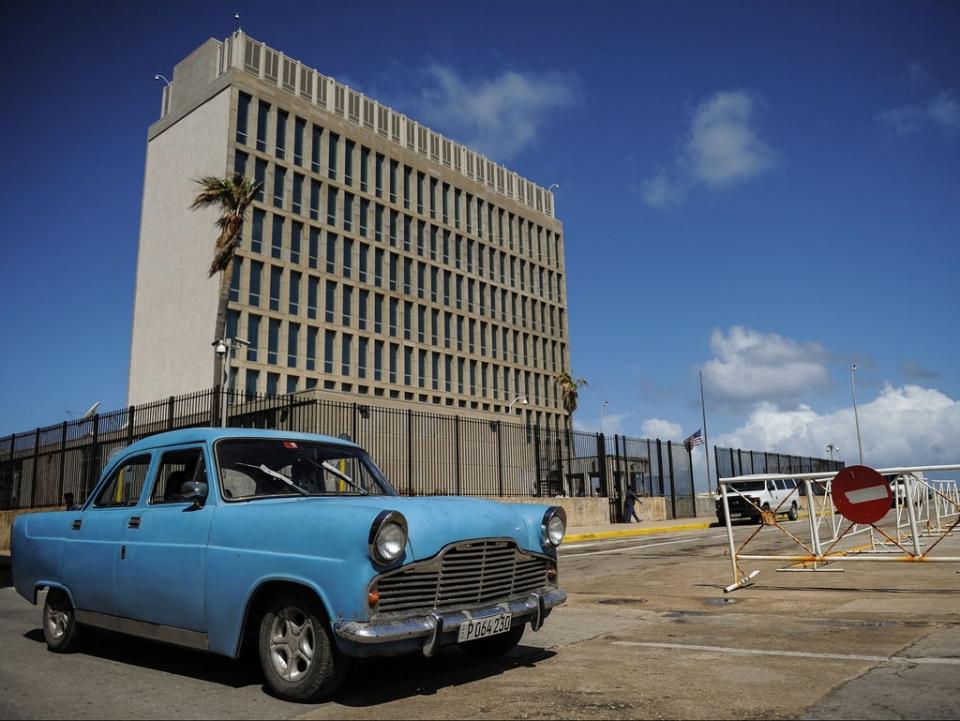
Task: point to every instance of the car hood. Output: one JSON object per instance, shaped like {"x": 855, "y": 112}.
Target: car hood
{"x": 435, "y": 522}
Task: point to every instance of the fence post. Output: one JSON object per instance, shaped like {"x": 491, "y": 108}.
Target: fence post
{"x": 536, "y": 459}
{"x": 131, "y": 415}
{"x": 170, "y": 413}
{"x": 94, "y": 469}
{"x": 693, "y": 484}
{"x": 663, "y": 491}
{"x": 63, "y": 459}
{"x": 216, "y": 403}
{"x": 356, "y": 412}
{"x": 673, "y": 488}
{"x": 14, "y": 492}
{"x": 456, "y": 440}
{"x": 499, "y": 459}
{"x": 602, "y": 464}
{"x": 36, "y": 462}
{"x": 410, "y": 452}
{"x": 739, "y": 463}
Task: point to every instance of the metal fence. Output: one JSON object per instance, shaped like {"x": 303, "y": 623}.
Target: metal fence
{"x": 422, "y": 453}
{"x": 738, "y": 462}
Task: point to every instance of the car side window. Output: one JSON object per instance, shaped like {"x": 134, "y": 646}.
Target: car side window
{"x": 175, "y": 469}
{"x": 125, "y": 484}
{"x": 781, "y": 485}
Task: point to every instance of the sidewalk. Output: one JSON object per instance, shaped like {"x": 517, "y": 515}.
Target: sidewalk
{"x": 646, "y": 528}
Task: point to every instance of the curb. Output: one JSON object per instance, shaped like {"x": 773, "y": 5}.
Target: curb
{"x": 631, "y": 532}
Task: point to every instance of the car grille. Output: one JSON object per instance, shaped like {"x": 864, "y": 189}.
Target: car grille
{"x": 464, "y": 575}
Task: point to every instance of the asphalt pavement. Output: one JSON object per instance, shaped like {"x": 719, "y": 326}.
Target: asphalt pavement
{"x": 647, "y": 633}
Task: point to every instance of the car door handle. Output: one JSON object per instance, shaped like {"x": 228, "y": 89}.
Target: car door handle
{"x": 134, "y": 522}
{"x": 76, "y": 524}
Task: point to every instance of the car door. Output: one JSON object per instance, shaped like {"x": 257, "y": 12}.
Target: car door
{"x": 93, "y": 540}
{"x": 161, "y": 577}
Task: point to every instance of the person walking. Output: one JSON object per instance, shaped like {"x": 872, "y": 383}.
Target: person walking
{"x": 630, "y": 511}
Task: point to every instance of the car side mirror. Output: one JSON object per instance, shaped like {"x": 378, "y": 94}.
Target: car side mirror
{"x": 194, "y": 491}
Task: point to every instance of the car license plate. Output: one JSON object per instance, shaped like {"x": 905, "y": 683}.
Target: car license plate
{"x": 484, "y": 627}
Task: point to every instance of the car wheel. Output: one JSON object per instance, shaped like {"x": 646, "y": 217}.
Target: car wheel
{"x": 60, "y": 623}
{"x": 299, "y": 658}
{"x": 495, "y": 646}
{"x": 792, "y": 513}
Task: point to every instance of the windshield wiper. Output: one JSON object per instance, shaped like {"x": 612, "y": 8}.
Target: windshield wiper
{"x": 275, "y": 474}
{"x": 337, "y": 472}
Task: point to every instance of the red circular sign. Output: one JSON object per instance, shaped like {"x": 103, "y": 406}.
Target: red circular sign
{"x": 861, "y": 494}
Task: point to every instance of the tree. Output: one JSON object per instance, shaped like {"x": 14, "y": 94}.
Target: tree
{"x": 570, "y": 392}
{"x": 233, "y": 195}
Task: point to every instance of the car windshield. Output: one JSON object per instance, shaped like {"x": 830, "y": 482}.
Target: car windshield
{"x": 750, "y": 486}
{"x": 253, "y": 468}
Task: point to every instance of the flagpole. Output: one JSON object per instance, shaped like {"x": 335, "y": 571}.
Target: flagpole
{"x": 706, "y": 443}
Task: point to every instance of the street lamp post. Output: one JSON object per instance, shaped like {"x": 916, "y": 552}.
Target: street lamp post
{"x": 831, "y": 449}
{"x": 522, "y": 400}
{"x": 856, "y": 415}
{"x": 224, "y": 348}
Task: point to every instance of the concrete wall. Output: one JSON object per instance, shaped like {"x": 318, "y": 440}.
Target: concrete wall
{"x": 580, "y": 511}
{"x": 175, "y": 303}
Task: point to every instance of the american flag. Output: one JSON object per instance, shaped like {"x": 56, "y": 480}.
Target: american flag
{"x": 694, "y": 440}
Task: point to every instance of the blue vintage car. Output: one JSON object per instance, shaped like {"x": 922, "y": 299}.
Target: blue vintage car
{"x": 208, "y": 538}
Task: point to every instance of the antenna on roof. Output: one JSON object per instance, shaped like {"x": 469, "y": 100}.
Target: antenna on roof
{"x": 236, "y": 16}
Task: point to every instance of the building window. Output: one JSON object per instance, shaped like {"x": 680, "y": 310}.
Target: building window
{"x": 253, "y": 336}
{"x": 394, "y": 349}
{"x": 407, "y": 171}
{"x": 331, "y": 253}
{"x": 256, "y": 270}
{"x": 378, "y": 268}
{"x": 316, "y": 136}
{"x": 273, "y": 341}
{"x": 332, "y": 141}
{"x": 345, "y": 354}
{"x": 378, "y": 175}
{"x": 293, "y": 337}
{"x": 296, "y": 233}
{"x": 240, "y": 163}
{"x": 393, "y": 317}
{"x": 243, "y": 111}
{"x": 252, "y": 379}
{"x": 292, "y": 382}
{"x": 276, "y": 238}
{"x": 364, "y": 212}
{"x": 276, "y": 274}
{"x": 281, "y": 134}
{"x": 299, "y": 125}
{"x": 348, "y": 212}
{"x": 364, "y": 172}
{"x": 347, "y": 304}
{"x": 378, "y": 360}
{"x": 433, "y": 198}
{"x": 331, "y": 206}
{"x": 311, "y": 348}
{"x": 235, "y": 281}
{"x": 362, "y": 274}
{"x": 328, "y": 342}
{"x": 362, "y": 309}
{"x": 297, "y": 200}
{"x": 331, "y": 300}
{"x": 348, "y": 162}
{"x": 378, "y": 313}
{"x": 314, "y": 250}
{"x": 260, "y": 177}
{"x": 407, "y": 365}
{"x": 314, "y": 200}
{"x": 420, "y": 179}
{"x": 361, "y": 357}
{"x": 313, "y": 284}
{"x": 294, "y": 294}
{"x": 421, "y": 323}
{"x": 378, "y": 223}
{"x": 263, "y": 112}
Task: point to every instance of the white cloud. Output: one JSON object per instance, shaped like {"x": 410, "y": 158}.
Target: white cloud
{"x": 664, "y": 430}
{"x": 499, "y": 116}
{"x": 722, "y": 148}
{"x": 908, "y": 425}
{"x": 941, "y": 111}
{"x": 750, "y": 366}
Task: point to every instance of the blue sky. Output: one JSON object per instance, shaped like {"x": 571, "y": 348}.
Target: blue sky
{"x": 765, "y": 191}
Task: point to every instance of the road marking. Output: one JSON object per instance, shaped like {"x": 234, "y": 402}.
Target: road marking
{"x": 793, "y": 654}
{"x": 604, "y": 544}
{"x": 628, "y": 548}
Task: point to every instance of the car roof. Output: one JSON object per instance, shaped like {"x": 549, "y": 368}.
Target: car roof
{"x": 210, "y": 435}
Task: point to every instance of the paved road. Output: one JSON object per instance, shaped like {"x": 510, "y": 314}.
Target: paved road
{"x": 647, "y": 633}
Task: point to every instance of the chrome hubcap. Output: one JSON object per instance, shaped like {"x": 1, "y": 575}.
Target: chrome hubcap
{"x": 292, "y": 644}
{"x": 56, "y": 623}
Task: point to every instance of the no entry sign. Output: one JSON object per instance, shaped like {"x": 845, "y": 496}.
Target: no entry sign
{"x": 861, "y": 494}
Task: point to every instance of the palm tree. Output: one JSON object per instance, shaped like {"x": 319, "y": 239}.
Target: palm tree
{"x": 233, "y": 195}
{"x": 570, "y": 392}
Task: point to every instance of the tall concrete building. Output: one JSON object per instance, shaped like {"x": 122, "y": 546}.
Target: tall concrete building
{"x": 380, "y": 262}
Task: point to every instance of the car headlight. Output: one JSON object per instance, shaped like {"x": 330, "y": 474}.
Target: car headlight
{"x": 554, "y": 526}
{"x": 388, "y": 537}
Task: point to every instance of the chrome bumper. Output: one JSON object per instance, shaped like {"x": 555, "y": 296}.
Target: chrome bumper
{"x": 435, "y": 623}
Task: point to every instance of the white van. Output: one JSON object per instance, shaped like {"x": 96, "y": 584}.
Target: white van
{"x": 765, "y": 495}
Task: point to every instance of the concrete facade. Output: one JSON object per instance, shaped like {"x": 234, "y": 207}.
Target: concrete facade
{"x": 381, "y": 263}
